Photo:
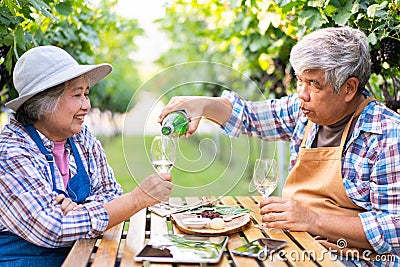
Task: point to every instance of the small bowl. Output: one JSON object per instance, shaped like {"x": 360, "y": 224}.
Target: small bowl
{"x": 196, "y": 223}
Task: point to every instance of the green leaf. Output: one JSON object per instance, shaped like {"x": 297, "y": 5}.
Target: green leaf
{"x": 311, "y": 18}
{"x": 228, "y": 210}
{"x": 3, "y": 30}
{"x": 246, "y": 22}
{"x": 330, "y": 10}
{"x": 316, "y": 3}
{"x": 8, "y": 40}
{"x": 7, "y": 18}
{"x": 342, "y": 17}
{"x": 43, "y": 8}
{"x": 64, "y": 8}
{"x": 19, "y": 36}
{"x": 12, "y": 6}
{"x": 372, "y": 38}
{"x": 373, "y": 10}
{"x": 256, "y": 44}
{"x": 355, "y": 7}
{"x": 9, "y": 61}
{"x": 283, "y": 3}
{"x": 346, "y": 12}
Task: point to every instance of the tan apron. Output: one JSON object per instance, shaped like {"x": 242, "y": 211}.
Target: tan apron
{"x": 316, "y": 182}
{"x": 316, "y": 179}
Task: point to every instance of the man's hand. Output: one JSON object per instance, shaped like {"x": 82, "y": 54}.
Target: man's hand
{"x": 287, "y": 214}
{"x": 215, "y": 109}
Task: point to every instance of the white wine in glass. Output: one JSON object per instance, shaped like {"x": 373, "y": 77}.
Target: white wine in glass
{"x": 163, "y": 153}
{"x": 265, "y": 176}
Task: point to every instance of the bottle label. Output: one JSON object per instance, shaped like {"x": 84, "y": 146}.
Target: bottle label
{"x": 175, "y": 124}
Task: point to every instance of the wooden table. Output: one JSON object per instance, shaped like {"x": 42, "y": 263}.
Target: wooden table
{"x": 119, "y": 244}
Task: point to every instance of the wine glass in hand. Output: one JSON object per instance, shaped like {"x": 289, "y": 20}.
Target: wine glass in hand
{"x": 163, "y": 153}
{"x": 265, "y": 176}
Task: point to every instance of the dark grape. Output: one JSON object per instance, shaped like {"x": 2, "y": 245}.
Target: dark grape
{"x": 4, "y": 74}
{"x": 376, "y": 61}
{"x": 3, "y": 51}
{"x": 390, "y": 51}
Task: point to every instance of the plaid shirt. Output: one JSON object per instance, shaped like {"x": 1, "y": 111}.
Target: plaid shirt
{"x": 26, "y": 189}
{"x": 371, "y": 159}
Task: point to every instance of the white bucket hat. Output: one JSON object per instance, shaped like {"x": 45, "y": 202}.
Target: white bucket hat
{"x": 43, "y": 67}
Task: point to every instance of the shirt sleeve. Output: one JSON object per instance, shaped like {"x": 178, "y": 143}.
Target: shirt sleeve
{"x": 272, "y": 119}
{"x": 27, "y": 208}
{"x": 382, "y": 222}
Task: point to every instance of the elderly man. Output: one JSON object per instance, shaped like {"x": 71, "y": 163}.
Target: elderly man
{"x": 344, "y": 178}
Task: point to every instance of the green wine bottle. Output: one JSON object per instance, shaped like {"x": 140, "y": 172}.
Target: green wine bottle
{"x": 175, "y": 123}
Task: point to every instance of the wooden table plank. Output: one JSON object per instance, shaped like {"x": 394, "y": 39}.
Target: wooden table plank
{"x": 291, "y": 249}
{"x": 302, "y": 249}
{"x": 106, "y": 254}
{"x": 247, "y": 202}
{"x": 236, "y": 240}
{"x": 80, "y": 253}
{"x": 175, "y": 230}
{"x": 275, "y": 259}
{"x": 312, "y": 250}
{"x": 134, "y": 239}
{"x": 252, "y": 234}
{"x": 316, "y": 250}
{"x": 158, "y": 225}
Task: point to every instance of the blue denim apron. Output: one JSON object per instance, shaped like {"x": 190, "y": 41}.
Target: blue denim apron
{"x": 16, "y": 251}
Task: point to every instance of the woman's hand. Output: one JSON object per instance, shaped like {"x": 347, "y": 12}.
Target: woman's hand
{"x": 66, "y": 204}
{"x": 154, "y": 189}
{"x": 287, "y": 214}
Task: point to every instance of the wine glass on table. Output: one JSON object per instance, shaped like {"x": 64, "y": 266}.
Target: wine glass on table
{"x": 265, "y": 178}
{"x": 163, "y": 154}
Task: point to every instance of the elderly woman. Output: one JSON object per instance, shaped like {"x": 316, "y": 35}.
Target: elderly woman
{"x": 55, "y": 183}
{"x": 344, "y": 179}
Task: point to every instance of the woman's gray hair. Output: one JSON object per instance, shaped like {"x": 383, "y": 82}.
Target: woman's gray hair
{"x": 43, "y": 104}
{"x": 341, "y": 52}
{"x": 40, "y": 105}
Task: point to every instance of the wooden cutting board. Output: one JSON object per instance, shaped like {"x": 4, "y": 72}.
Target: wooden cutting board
{"x": 236, "y": 225}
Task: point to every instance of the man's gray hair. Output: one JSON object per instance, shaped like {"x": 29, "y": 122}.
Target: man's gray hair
{"x": 341, "y": 52}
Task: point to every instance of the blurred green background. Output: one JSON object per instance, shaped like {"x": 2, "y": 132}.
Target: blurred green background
{"x": 207, "y": 164}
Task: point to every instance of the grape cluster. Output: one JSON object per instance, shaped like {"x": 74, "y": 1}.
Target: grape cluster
{"x": 4, "y": 74}
{"x": 388, "y": 51}
{"x": 3, "y": 51}
{"x": 376, "y": 60}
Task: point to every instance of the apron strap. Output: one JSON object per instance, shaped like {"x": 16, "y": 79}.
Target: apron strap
{"x": 78, "y": 186}
{"x": 357, "y": 113}
{"x": 49, "y": 156}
